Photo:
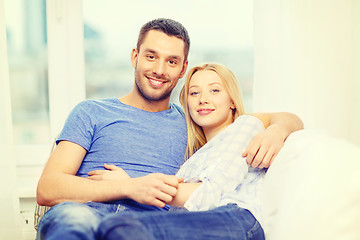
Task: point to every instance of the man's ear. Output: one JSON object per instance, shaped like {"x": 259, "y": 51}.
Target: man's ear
{"x": 134, "y": 56}
{"x": 183, "y": 70}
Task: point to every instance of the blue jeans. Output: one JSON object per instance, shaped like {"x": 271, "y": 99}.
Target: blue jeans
{"x": 227, "y": 222}
{"x": 71, "y": 220}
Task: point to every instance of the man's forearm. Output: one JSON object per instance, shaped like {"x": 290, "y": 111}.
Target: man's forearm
{"x": 60, "y": 187}
{"x": 154, "y": 189}
{"x": 289, "y": 122}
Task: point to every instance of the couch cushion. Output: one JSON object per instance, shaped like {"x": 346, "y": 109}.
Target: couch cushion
{"x": 312, "y": 190}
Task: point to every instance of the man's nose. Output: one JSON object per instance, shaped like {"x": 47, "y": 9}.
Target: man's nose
{"x": 159, "y": 68}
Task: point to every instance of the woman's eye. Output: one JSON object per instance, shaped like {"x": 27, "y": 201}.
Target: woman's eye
{"x": 215, "y": 90}
{"x": 194, "y": 93}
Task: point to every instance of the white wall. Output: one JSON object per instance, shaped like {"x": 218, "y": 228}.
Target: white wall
{"x": 307, "y": 62}
{"x": 9, "y": 203}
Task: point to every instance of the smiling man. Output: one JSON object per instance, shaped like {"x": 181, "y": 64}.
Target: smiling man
{"x": 142, "y": 132}
{"x": 159, "y": 62}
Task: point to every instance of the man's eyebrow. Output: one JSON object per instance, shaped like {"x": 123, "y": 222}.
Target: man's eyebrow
{"x": 149, "y": 50}
{"x": 175, "y": 57}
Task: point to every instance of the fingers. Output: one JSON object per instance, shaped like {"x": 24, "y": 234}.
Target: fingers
{"x": 168, "y": 187}
{"x": 94, "y": 177}
{"x": 107, "y": 166}
{"x": 155, "y": 189}
{"x": 258, "y": 157}
{"x": 166, "y": 196}
{"x": 263, "y": 158}
{"x": 170, "y": 180}
{"x": 111, "y": 167}
{"x": 180, "y": 180}
{"x": 158, "y": 203}
{"x": 96, "y": 172}
{"x": 251, "y": 152}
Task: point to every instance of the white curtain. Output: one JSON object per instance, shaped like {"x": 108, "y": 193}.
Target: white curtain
{"x": 66, "y": 59}
{"x": 307, "y": 61}
{"x": 9, "y": 202}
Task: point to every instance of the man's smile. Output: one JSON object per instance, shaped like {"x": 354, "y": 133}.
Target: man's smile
{"x": 156, "y": 83}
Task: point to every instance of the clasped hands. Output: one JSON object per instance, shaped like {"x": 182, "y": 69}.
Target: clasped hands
{"x": 158, "y": 189}
{"x": 155, "y": 189}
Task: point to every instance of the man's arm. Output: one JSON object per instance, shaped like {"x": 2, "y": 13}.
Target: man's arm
{"x": 58, "y": 182}
{"x": 264, "y": 147}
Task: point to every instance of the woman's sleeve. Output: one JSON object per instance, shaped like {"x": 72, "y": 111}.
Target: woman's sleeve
{"x": 226, "y": 168}
{"x": 217, "y": 180}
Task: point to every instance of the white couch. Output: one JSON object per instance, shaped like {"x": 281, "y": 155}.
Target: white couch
{"x": 312, "y": 190}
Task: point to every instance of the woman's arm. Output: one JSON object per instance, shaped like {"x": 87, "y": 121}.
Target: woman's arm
{"x": 264, "y": 147}
{"x": 183, "y": 193}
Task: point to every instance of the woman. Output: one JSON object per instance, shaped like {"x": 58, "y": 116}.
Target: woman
{"x": 220, "y": 191}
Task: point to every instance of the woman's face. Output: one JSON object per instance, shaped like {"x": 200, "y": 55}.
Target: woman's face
{"x": 209, "y": 103}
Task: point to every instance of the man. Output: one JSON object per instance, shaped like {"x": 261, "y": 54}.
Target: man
{"x": 142, "y": 132}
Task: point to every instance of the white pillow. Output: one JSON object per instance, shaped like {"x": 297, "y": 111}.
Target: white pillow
{"x": 312, "y": 190}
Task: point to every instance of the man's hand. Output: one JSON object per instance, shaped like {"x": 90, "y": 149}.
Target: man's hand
{"x": 155, "y": 189}
{"x": 264, "y": 147}
{"x": 112, "y": 173}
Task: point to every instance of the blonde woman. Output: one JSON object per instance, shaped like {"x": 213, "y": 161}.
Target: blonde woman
{"x": 220, "y": 193}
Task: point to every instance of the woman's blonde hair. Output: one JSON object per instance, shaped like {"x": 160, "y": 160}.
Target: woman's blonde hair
{"x": 195, "y": 135}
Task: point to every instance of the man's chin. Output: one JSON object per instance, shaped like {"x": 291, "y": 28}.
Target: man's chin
{"x": 154, "y": 95}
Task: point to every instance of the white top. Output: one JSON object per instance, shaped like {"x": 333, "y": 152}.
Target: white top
{"x": 225, "y": 175}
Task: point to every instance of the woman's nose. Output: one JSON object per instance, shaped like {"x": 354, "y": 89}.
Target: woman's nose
{"x": 204, "y": 98}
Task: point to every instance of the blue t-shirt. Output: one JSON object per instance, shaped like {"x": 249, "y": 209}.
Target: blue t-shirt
{"x": 138, "y": 141}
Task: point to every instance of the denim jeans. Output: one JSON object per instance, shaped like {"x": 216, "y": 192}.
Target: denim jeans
{"x": 226, "y": 222}
{"x": 71, "y": 220}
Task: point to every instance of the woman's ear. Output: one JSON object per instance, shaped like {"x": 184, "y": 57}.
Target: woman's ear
{"x": 232, "y": 105}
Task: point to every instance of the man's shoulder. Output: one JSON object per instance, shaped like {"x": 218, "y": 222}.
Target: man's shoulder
{"x": 177, "y": 109}
{"x": 97, "y": 103}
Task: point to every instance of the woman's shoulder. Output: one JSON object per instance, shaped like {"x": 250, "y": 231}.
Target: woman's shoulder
{"x": 248, "y": 119}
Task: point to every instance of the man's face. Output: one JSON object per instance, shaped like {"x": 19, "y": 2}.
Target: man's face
{"x": 159, "y": 64}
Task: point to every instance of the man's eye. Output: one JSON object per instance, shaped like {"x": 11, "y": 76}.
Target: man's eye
{"x": 172, "y": 62}
{"x": 151, "y": 57}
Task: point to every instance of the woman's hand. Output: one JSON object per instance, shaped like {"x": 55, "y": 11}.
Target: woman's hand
{"x": 112, "y": 173}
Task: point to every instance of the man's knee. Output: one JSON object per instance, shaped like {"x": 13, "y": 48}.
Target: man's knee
{"x": 71, "y": 213}
{"x": 123, "y": 226}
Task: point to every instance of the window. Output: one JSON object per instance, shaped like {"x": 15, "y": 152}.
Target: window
{"x": 40, "y": 104}
{"x": 218, "y": 32}
{"x": 27, "y": 58}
